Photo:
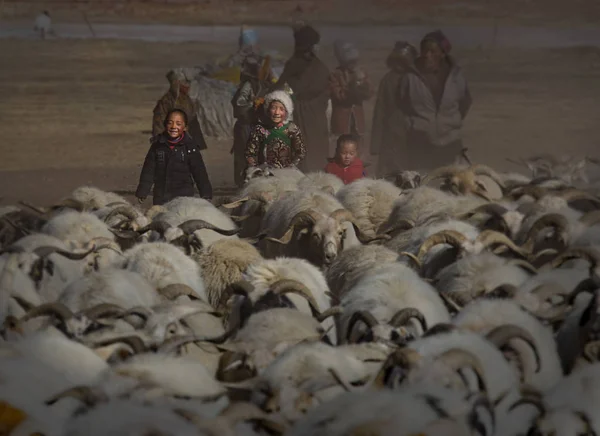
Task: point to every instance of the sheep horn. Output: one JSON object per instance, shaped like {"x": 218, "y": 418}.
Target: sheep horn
{"x": 489, "y": 237}
{"x": 591, "y": 218}
{"x": 505, "y": 290}
{"x": 157, "y": 226}
{"x": 117, "y": 203}
{"x": 362, "y": 315}
{"x": 141, "y": 311}
{"x": 412, "y": 257}
{"x": 86, "y": 394}
{"x": 48, "y": 250}
{"x": 592, "y": 256}
{"x": 403, "y": 316}
{"x": 343, "y": 215}
{"x": 451, "y": 237}
{"x": 494, "y": 209}
{"x": 102, "y": 310}
{"x": 484, "y": 170}
{"x": 457, "y": 358}
{"x": 285, "y": 286}
{"x": 440, "y": 173}
{"x": 305, "y": 218}
{"x": 174, "y": 290}
{"x": 586, "y": 285}
{"x": 125, "y": 210}
{"x": 332, "y": 311}
{"x": 40, "y": 211}
{"x": 401, "y": 225}
{"x": 439, "y": 329}
{"x": 450, "y": 302}
{"x": 191, "y": 226}
{"x": 558, "y": 221}
{"x": 236, "y": 203}
{"x": 522, "y": 263}
{"x": 135, "y": 342}
{"x": 576, "y": 194}
{"x": 242, "y": 287}
{"x": 71, "y": 204}
{"x": 500, "y": 336}
{"x": 48, "y": 309}
{"x": 405, "y": 358}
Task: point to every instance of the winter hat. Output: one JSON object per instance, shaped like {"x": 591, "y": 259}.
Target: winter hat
{"x": 440, "y": 39}
{"x": 306, "y": 37}
{"x": 345, "y": 52}
{"x": 247, "y": 37}
{"x": 402, "y": 52}
{"x": 285, "y": 99}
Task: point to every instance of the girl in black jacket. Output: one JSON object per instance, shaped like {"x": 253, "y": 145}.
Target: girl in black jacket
{"x": 172, "y": 162}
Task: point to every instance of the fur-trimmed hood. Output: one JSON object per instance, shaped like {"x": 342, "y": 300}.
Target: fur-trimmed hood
{"x": 285, "y": 99}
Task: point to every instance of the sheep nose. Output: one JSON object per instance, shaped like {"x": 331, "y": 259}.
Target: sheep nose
{"x": 395, "y": 336}
{"x": 329, "y": 257}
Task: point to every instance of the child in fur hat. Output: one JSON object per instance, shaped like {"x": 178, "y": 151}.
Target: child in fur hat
{"x": 276, "y": 141}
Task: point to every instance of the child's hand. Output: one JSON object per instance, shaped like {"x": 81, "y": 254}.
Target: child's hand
{"x": 141, "y": 199}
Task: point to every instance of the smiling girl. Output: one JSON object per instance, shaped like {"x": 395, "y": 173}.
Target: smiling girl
{"x": 276, "y": 141}
{"x": 172, "y": 162}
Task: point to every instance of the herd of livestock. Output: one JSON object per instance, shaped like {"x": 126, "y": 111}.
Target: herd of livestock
{"x": 461, "y": 302}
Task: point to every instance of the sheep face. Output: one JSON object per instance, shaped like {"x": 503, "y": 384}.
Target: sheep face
{"x": 325, "y": 241}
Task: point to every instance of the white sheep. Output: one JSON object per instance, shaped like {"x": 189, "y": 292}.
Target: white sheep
{"x": 322, "y": 181}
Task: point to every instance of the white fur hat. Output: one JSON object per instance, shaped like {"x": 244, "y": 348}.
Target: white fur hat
{"x": 284, "y": 98}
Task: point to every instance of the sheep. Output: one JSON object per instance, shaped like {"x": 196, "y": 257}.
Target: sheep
{"x": 15, "y": 286}
{"x": 370, "y": 202}
{"x": 484, "y": 315}
{"x": 312, "y": 225}
{"x": 322, "y": 181}
{"x": 354, "y": 263}
{"x": 92, "y": 198}
{"x": 223, "y": 263}
{"x": 122, "y": 216}
{"x": 163, "y": 264}
{"x": 385, "y": 302}
{"x": 479, "y": 180}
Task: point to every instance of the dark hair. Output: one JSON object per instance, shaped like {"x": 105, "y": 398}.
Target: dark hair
{"x": 346, "y": 137}
{"x": 176, "y": 111}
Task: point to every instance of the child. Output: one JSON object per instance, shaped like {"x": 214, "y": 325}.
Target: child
{"x": 276, "y": 141}
{"x": 346, "y": 165}
{"x": 172, "y": 161}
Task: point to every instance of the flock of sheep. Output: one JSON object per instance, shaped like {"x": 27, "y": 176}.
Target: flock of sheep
{"x": 461, "y": 302}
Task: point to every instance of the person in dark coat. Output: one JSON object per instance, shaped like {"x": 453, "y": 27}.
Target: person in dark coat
{"x": 173, "y": 164}
{"x": 388, "y": 130}
{"x": 177, "y": 97}
{"x": 308, "y": 78}
{"x": 435, "y": 99}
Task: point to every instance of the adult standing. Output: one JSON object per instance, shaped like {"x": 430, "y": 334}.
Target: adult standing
{"x": 435, "y": 99}
{"x": 177, "y": 97}
{"x": 308, "y": 77}
{"x": 388, "y": 131}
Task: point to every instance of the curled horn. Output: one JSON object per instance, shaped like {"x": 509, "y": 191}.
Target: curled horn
{"x": 174, "y": 290}
{"x": 47, "y": 250}
{"x": 242, "y": 287}
{"x": 86, "y": 394}
{"x": 500, "y": 336}
{"x": 135, "y": 342}
{"x": 440, "y": 173}
{"x": 332, "y": 311}
{"x": 362, "y": 315}
{"x": 489, "y": 237}
{"x": 305, "y": 218}
{"x": 103, "y": 310}
{"x": 494, "y": 209}
{"x": 258, "y": 196}
{"x": 592, "y": 256}
{"x": 440, "y": 329}
{"x": 49, "y": 309}
{"x": 398, "y": 226}
{"x": 157, "y": 226}
{"x": 402, "y": 317}
{"x": 125, "y": 210}
{"x": 286, "y": 286}
{"x": 403, "y": 358}
{"x": 70, "y": 203}
{"x": 451, "y": 237}
{"x": 457, "y": 358}
{"x": 576, "y": 194}
{"x": 343, "y": 215}
{"x": 556, "y": 220}
{"x": 191, "y": 226}
{"x": 484, "y": 170}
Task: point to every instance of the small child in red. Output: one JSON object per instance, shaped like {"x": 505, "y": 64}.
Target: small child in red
{"x": 346, "y": 165}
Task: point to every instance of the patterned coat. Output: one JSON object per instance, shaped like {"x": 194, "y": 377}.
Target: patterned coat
{"x": 278, "y": 147}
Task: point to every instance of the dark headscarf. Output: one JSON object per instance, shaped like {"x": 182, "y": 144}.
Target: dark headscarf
{"x": 440, "y": 39}
{"x": 403, "y": 53}
{"x": 305, "y": 38}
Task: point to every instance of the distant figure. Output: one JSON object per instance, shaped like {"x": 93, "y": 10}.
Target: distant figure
{"x": 43, "y": 25}
{"x": 309, "y": 79}
{"x": 349, "y": 87}
{"x": 388, "y": 131}
{"x": 276, "y": 141}
{"x": 346, "y": 164}
{"x": 173, "y": 161}
{"x": 435, "y": 98}
{"x": 177, "y": 97}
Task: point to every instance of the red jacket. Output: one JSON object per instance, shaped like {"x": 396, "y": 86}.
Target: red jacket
{"x": 355, "y": 171}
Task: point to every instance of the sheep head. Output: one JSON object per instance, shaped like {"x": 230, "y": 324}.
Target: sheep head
{"x": 363, "y": 327}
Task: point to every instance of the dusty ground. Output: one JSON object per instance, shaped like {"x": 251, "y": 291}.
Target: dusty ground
{"x": 481, "y": 12}
{"x": 73, "y": 112}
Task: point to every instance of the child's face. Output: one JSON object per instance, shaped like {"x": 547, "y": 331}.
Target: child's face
{"x": 277, "y": 112}
{"x": 175, "y": 125}
{"x": 347, "y": 153}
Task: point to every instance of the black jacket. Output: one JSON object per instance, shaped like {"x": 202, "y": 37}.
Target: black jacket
{"x": 171, "y": 171}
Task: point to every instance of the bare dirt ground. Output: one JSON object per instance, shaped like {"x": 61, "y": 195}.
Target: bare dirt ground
{"x": 194, "y": 12}
{"x": 73, "y": 111}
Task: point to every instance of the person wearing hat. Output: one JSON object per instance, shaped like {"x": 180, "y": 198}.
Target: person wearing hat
{"x": 388, "y": 132}
{"x": 308, "y": 77}
{"x": 435, "y": 99}
{"x": 177, "y": 97}
{"x": 349, "y": 87}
